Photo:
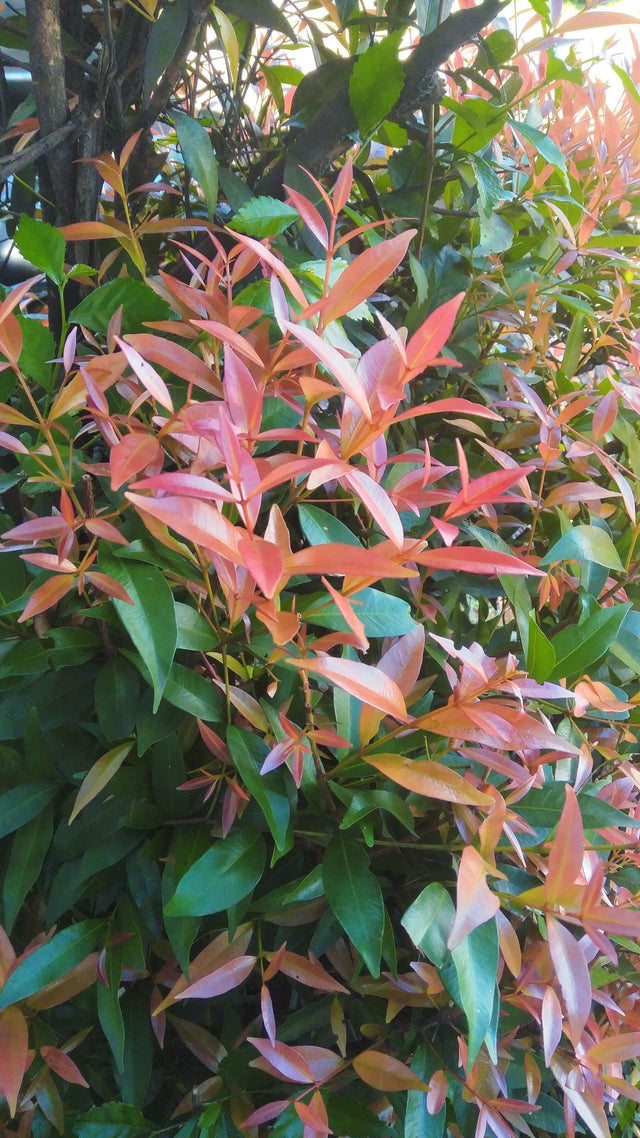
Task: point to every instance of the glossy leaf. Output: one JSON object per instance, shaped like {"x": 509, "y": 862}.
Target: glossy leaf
{"x": 50, "y": 961}
{"x": 429, "y": 920}
{"x": 585, "y": 543}
{"x": 199, "y": 156}
{"x": 224, "y": 875}
{"x": 432, "y": 780}
{"x": 19, "y": 805}
{"x": 99, "y": 776}
{"x": 355, "y": 897}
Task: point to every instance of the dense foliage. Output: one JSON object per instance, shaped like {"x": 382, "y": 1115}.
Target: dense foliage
{"x": 320, "y": 616}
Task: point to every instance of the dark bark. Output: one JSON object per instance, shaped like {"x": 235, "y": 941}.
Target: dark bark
{"x": 57, "y": 171}
{"x": 329, "y": 133}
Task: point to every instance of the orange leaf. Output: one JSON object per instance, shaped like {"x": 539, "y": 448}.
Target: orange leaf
{"x": 567, "y": 850}
{"x": 314, "y": 1115}
{"x": 338, "y": 560}
{"x": 221, "y": 980}
{"x": 46, "y": 596}
{"x": 309, "y": 972}
{"x": 131, "y": 455}
{"x": 384, "y": 1073}
{"x": 475, "y": 901}
{"x": 199, "y": 522}
{"x": 93, "y": 230}
{"x": 432, "y": 780}
{"x": 63, "y": 1066}
{"x": 360, "y": 680}
{"x": 228, "y": 336}
{"x": 615, "y": 1048}
{"x": 99, "y": 776}
{"x": 487, "y": 488}
{"x": 14, "y": 1054}
{"x": 425, "y": 344}
{"x": 364, "y": 275}
{"x": 469, "y": 559}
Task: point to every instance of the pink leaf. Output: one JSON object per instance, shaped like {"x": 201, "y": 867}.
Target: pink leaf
{"x": 360, "y": 680}
{"x": 221, "y": 980}
{"x": 349, "y": 381}
{"x": 364, "y": 275}
{"x": 573, "y": 976}
{"x": 148, "y": 376}
{"x": 476, "y": 904}
{"x": 284, "y": 1059}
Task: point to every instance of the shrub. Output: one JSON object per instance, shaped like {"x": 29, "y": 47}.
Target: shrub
{"x": 319, "y": 664}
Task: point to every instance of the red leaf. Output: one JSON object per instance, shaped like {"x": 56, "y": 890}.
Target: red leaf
{"x": 265, "y": 1113}
{"x": 337, "y": 560}
{"x": 486, "y": 489}
{"x": 148, "y": 376}
{"x": 310, "y": 215}
{"x": 221, "y": 980}
{"x": 360, "y": 680}
{"x": 199, "y": 522}
{"x": 425, "y": 344}
{"x": 567, "y": 850}
{"x": 469, "y": 559}
{"x": 364, "y": 275}
{"x": 14, "y": 1054}
{"x": 177, "y": 359}
{"x": 285, "y": 1060}
{"x": 107, "y": 585}
{"x": 63, "y": 1066}
{"x": 46, "y": 596}
{"x": 572, "y": 971}
{"x": 128, "y": 457}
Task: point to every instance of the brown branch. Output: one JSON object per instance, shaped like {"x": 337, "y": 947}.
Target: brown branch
{"x": 69, "y": 131}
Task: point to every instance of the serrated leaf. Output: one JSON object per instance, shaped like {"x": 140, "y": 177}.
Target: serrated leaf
{"x": 263, "y": 217}
{"x": 139, "y": 304}
{"x": 43, "y": 245}
{"x": 371, "y": 100}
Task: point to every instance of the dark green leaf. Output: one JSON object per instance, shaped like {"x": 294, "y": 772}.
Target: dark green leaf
{"x": 345, "y": 8}
{"x": 166, "y": 32}
{"x": 476, "y": 966}
{"x": 541, "y": 656}
{"x": 37, "y": 352}
{"x": 150, "y": 620}
{"x": 117, "y": 695}
{"x": 43, "y": 245}
{"x": 429, "y": 920}
{"x": 19, "y": 805}
{"x": 224, "y": 875}
{"x": 139, "y": 303}
{"x": 28, "y": 851}
{"x": 195, "y": 634}
{"x": 418, "y": 1123}
{"x": 355, "y": 897}
{"x": 51, "y": 961}
{"x": 199, "y": 156}
{"x": 248, "y": 753}
{"x": 265, "y": 13}
{"x": 371, "y": 100}
{"x": 113, "y": 1120}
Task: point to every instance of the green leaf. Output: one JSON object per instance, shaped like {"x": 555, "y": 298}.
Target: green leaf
{"x": 224, "y": 875}
{"x": 43, "y": 245}
{"x": 117, "y": 696}
{"x": 19, "y": 805}
{"x": 51, "y": 961}
{"x": 352, "y": 1116}
{"x": 541, "y": 655}
{"x": 542, "y": 809}
{"x": 344, "y": 9}
{"x": 545, "y": 146}
{"x": 429, "y": 920}
{"x": 37, "y": 352}
{"x": 585, "y": 543}
{"x": 355, "y": 897}
{"x": 371, "y": 99}
{"x": 28, "y": 851}
{"x": 321, "y": 528}
{"x": 113, "y": 1120}
{"x": 582, "y": 645}
{"x": 193, "y": 693}
{"x": 195, "y": 634}
{"x": 139, "y": 304}
{"x": 418, "y": 1123}
{"x": 199, "y": 156}
{"x": 475, "y": 965}
{"x": 263, "y": 217}
{"x": 382, "y": 614}
{"x": 265, "y": 13}
{"x": 477, "y": 122}
{"x": 150, "y": 620}
{"x": 166, "y": 32}
{"x": 627, "y": 643}
{"x": 248, "y": 753}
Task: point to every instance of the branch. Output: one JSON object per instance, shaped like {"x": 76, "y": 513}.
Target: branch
{"x": 197, "y": 16}
{"x": 329, "y": 132}
{"x": 69, "y": 131}
{"x": 46, "y": 58}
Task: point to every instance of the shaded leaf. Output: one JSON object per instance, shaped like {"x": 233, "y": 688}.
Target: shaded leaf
{"x": 224, "y": 875}
{"x": 355, "y": 897}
